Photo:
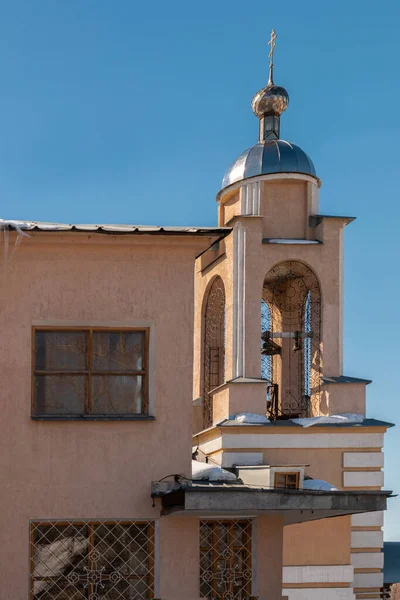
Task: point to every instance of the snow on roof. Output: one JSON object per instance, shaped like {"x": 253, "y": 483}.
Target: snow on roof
{"x": 204, "y": 471}
{"x": 289, "y": 241}
{"x": 341, "y": 419}
{"x": 251, "y": 418}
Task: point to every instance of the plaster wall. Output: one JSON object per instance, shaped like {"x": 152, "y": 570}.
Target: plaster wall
{"x": 284, "y": 209}
{"x": 235, "y": 398}
{"x": 179, "y": 545}
{"x": 269, "y": 553}
{"x": 325, "y": 261}
{"x": 76, "y": 470}
{"x": 325, "y": 542}
{"x": 223, "y": 267}
{"x": 336, "y": 455}
{"x": 232, "y": 207}
{"x": 179, "y": 549}
{"x": 343, "y": 398}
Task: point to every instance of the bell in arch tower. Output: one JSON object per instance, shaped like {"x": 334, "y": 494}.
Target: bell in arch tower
{"x": 281, "y": 269}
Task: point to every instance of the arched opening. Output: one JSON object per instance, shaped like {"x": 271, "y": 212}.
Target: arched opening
{"x": 214, "y": 345}
{"x": 291, "y": 340}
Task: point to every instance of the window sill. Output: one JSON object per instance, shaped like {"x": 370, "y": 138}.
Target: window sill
{"x": 92, "y": 418}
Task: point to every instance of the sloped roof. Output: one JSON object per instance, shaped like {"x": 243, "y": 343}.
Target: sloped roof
{"x": 15, "y": 225}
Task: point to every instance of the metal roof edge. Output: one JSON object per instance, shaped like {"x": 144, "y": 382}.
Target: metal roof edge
{"x": 344, "y": 379}
{"x": 289, "y": 423}
{"x": 315, "y": 220}
{"x": 109, "y": 229}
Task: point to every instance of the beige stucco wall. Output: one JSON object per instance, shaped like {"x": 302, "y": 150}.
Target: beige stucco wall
{"x": 324, "y": 259}
{"x": 234, "y": 398}
{"x": 179, "y": 545}
{"x": 223, "y": 267}
{"x": 75, "y": 470}
{"x": 343, "y": 398}
{"x": 325, "y": 542}
{"x": 269, "y": 553}
{"x": 180, "y": 552}
{"x": 284, "y": 208}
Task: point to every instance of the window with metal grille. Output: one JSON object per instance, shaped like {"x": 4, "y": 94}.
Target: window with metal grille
{"x": 225, "y": 560}
{"x": 291, "y": 344}
{"x": 287, "y": 481}
{"x": 214, "y": 346}
{"x": 92, "y": 560}
{"x": 90, "y": 371}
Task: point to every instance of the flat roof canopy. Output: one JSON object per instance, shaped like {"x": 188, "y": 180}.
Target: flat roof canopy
{"x": 296, "y": 506}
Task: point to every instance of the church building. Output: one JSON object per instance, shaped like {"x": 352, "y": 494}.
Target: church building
{"x": 176, "y": 422}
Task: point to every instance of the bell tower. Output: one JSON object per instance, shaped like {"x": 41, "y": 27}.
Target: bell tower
{"x": 276, "y": 330}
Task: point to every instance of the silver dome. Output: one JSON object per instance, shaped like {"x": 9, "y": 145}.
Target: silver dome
{"x": 272, "y": 156}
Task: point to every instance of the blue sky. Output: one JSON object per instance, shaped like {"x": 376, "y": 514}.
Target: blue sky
{"x": 131, "y": 112}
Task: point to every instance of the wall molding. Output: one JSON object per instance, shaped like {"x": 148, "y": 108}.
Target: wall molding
{"x": 363, "y": 479}
{"x": 368, "y": 580}
{"x": 318, "y": 574}
{"x": 301, "y": 440}
{"x": 363, "y": 459}
{"x": 330, "y": 593}
{"x": 367, "y": 560}
{"x": 239, "y": 282}
{"x": 366, "y": 539}
{"x": 369, "y": 519}
{"x": 250, "y": 197}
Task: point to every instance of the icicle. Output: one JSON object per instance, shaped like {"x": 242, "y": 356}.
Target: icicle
{"x": 4, "y": 228}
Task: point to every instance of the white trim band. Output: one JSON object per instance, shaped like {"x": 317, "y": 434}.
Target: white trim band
{"x": 369, "y": 519}
{"x": 363, "y": 459}
{"x": 366, "y": 539}
{"x": 319, "y": 574}
{"x": 239, "y": 279}
{"x": 250, "y": 199}
{"x": 345, "y": 593}
{"x": 368, "y": 580}
{"x": 367, "y": 560}
{"x": 362, "y": 479}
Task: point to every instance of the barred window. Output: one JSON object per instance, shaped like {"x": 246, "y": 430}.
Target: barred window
{"x": 92, "y": 560}
{"x": 225, "y": 560}
{"x": 214, "y": 345}
{"x": 90, "y": 371}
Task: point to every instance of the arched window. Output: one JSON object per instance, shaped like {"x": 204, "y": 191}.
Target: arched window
{"x": 291, "y": 340}
{"x": 214, "y": 345}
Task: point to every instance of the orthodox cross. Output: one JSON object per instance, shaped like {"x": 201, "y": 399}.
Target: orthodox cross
{"x": 271, "y": 56}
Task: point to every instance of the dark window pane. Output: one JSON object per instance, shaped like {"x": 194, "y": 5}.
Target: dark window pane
{"x": 117, "y": 394}
{"x": 225, "y": 565}
{"x": 118, "y": 350}
{"x": 60, "y": 590}
{"x": 123, "y": 548}
{"x": 60, "y": 394}
{"x": 141, "y": 589}
{"x": 61, "y": 350}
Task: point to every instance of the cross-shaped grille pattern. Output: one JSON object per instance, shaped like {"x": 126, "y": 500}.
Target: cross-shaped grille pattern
{"x": 92, "y": 560}
{"x": 225, "y": 560}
